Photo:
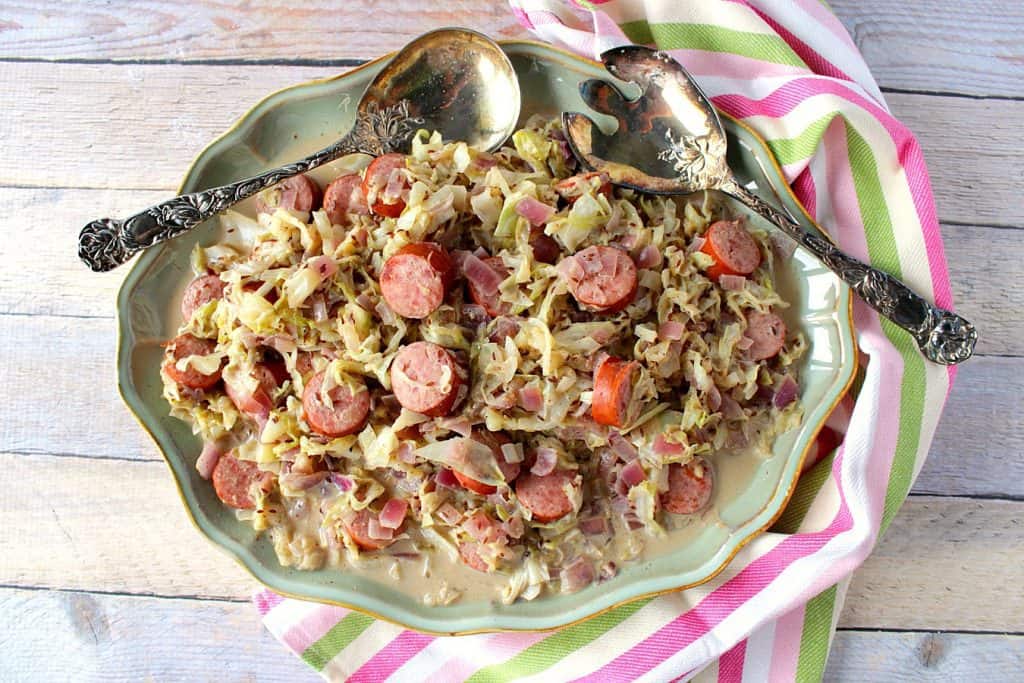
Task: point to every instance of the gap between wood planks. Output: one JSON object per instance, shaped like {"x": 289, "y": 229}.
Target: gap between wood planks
{"x": 348, "y": 63}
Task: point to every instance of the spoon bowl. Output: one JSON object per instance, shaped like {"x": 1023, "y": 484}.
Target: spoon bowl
{"x": 670, "y": 140}
{"x": 452, "y": 80}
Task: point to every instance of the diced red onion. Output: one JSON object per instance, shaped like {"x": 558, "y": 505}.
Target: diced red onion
{"x": 446, "y": 479}
{"x": 481, "y": 527}
{"x": 649, "y": 257}
{"x": 482, "y": 275}
{"x": 786, "y": 393}
{"x": 387, "y": 316}
{"x": 319, "y": 308}
{"x": 545, "y": 463}
{"x": 731, "y": 410}
{"x": 622, "y": 446}
{"x": 378, "y": 531}
{"x": 406, "y": 453}
{"x": 671, "y": 330}
{"x": 593, "y": 526}
{"x": 343, "y": 482}
{"x": 744, "y": 343}
{"x": 732, "y": 283}
{"x": 514, "y": 527}
{"x": 632, "y": 474}
{"x": 534, "y": 211}
{"x": 531, "y": 399}
{"x": 448, "y": 514}
{"x": 485, "y": 161}
{"x": 393, "y": 513}
{"x": 460, "y": 425}
{"x": 629, "y": 240}
{"x": 281, "y": 343}
{"x": 324, "y": 266}
{"x": 302, "y": 482}
{"x": 695, "y": 245}
{"x": 663, "y": 446}
{"x": 577, "y": 575}
{"x": 504, "y": 326}
{"x": 714, "y": 398}
{"x": 208, "y": 459}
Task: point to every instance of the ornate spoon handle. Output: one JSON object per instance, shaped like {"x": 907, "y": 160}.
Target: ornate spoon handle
{"x": 943, "y": 336}
{"x": 107, "y": 243}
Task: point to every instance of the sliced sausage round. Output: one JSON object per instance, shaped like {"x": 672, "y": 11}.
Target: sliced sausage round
{"x": 233, "y": 480}
{"x": 298, "y": 193}
{"x": 767, "y": 331}
{"x": 546, "y": 497}
{"x": 416, "y": 278}
{"x": 346, "y": 413}
{"x": 470, "y": 555}
{"x": 509, "y": 470}
{"x": 426, "y": 378}
{"x": 689, "y": 487}
{"x": 358, "y": 528}
{"x": 344, "y": 196}
{"x": 483, "y": 293}
{"x": 183, "y": 346}
{"x": 378, "y": 185}
{"x": 545, "y": 248}
{"x": 199, "y": 292}
{"x": 254, "y": 402}
{"x": 613, "y": 391}
{"x": 735, "y": 252}
{"x": 601, "y": 278}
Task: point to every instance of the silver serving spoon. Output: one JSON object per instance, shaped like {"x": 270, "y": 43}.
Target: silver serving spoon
{"x": 671, "y": 141}
{"x": 455, "y": 81}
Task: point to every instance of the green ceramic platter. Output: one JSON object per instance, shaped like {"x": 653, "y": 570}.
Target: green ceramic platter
{"x": 294, "y": 122}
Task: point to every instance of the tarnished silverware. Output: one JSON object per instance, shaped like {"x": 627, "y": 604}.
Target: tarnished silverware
{"x": 671, "y": 141}
{"x": 455, "y": 81}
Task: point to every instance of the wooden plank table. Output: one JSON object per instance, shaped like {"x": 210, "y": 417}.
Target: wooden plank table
{"x": 106, "y": 103}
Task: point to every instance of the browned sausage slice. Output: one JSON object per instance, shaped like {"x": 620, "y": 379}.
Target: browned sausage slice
{"x": 358, "y": 528}
{"x": 768, "y": 332}
{"x": 426, "y": 378}
{"x": 183, "y": 346}
{"x": 601, "y": 278}
{"x": 545, "y": 497}
{"x": 233, "y": 480}
{"x": 344, "y": 196}
{"x": 415, "y": 279}
{"x": 199, "y": 292}
{"x": 298, "y": 193}
{"x": 689, "y": 487}
{"x": 254, "y": 402}
{"x": 378, "y": 186}
{"x": 509, "y": 470}
{"x": 346, "y": 413}
{"x": 734, "y": 250}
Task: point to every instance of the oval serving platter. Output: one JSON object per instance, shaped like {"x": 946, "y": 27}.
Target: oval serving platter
{"x": 300, "y": 119}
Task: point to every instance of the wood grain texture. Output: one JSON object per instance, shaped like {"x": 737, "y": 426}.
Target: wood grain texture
{"x": 174, "y": 111}
{"x": 940, "y": 45}
{"x": 94, "y": 637}
{"x": 212, "y": 29}
{"x": 924, "y": 657}
{"x": 66, "y": 505}
{"x": 945, "y": 563}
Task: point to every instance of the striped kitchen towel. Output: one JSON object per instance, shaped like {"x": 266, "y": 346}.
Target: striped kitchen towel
{"x": 788, "y": 69}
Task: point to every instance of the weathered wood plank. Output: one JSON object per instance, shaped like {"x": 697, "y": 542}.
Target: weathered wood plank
{"x": 939, "y": 45}
{"x": 946, "y": 564}
{"x": 173, "y": 111}
{"x": 93, "y": 637}
{"x": 65, "y": 505}
{"x": 901, "y": 41}
{"x": 162, "y": 30}
{"x": 888, "y": 657}
{"x": 977, "y": 447}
